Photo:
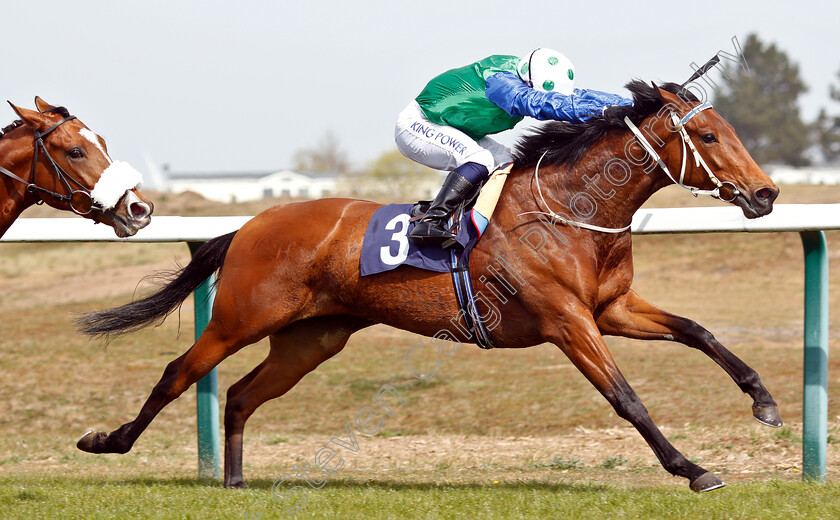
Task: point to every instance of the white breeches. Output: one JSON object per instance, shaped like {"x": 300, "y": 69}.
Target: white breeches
{"x": 444, "y": 147}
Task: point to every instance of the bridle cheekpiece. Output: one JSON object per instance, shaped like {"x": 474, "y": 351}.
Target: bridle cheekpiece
{"x": 687, "y": 145}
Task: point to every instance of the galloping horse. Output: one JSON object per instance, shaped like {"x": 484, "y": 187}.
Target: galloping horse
{"x": 292, "y": 273}
{"x": 50, "y": 156}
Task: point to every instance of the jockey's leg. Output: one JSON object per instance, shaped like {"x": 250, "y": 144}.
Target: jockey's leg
{"x": 446, "y": 148}
{"x": 459, "y": 187}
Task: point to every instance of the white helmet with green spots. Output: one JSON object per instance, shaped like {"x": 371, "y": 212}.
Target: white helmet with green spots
{"x": 547, "y": 70}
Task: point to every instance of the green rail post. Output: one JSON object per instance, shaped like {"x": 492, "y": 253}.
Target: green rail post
{"x": 815, "y": 369}
{"x": 207, "y": 398}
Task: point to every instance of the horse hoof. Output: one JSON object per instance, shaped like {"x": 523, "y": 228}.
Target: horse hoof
{"x": 238, "y": 484}
{"x": 768, "y": 414}
{"x": 706, "y": 482}
{"x": 92, "y": 441}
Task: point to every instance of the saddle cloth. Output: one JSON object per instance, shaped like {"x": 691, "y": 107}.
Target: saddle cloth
{"x": 386, "y": 244}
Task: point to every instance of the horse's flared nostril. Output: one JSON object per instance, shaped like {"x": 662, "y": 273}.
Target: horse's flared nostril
{"x": 766, "y": 196}
{"x": 139, "y": 210}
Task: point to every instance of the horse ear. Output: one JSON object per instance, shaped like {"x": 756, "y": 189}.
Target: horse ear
{"x": 32, "y": 118}
{"x": 657, "y": 89}
{"x": 42, "y": 105}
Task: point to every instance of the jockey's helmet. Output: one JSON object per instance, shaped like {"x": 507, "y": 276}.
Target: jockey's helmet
{"x": 547, "y": 70}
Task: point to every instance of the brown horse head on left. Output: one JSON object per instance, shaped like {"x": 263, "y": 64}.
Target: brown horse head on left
{"x": 49, "y": 156}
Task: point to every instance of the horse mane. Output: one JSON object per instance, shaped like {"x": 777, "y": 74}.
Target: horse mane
{"x": 63, "y": 112}
{"x": 564, "y": 143}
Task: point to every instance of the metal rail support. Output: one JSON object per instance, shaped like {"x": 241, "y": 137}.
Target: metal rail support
{"x": 815, "y": 367}
{"x": 207, "y": 398}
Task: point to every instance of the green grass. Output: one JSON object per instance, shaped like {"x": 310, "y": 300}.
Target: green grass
{"x": 149, "y": 498}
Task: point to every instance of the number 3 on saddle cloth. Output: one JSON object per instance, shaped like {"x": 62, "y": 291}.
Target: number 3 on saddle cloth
{"x": 386, "y": 246}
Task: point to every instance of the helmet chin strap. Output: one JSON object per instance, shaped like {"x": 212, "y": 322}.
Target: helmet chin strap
{"x": 687, "y": 144}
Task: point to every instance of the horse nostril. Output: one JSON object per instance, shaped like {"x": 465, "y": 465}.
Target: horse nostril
{"x": 139, "y": 210}
{"x": 766, "y": 196}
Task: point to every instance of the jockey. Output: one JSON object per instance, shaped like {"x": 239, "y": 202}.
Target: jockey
{"x": 447, "y": 125}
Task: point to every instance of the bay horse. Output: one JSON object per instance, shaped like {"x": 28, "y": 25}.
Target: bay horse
{"x": 48, "y": 156}
{"x": 292, "y": 273}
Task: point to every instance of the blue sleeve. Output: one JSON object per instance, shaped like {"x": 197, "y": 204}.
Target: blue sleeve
{"x": 506, "y": 90}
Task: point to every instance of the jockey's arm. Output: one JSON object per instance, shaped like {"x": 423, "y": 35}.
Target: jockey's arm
{"x": 518, "y": 99}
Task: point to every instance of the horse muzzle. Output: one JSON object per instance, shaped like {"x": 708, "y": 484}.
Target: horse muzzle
{"x": 757, "y": 203}
{"x": 129, "y": 216}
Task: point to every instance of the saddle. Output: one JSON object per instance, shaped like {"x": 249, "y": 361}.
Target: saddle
{"x": 483, "y": 203}
{"x": 386, "y": 246}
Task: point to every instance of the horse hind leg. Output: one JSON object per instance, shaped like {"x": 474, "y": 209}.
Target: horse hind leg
{"x": 296, "y": 350}
{"x": 216, "y": 343}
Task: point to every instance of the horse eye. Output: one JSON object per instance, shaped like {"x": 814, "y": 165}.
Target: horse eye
{"x": 709, "y": 138}
{"x": 75, "y": 153}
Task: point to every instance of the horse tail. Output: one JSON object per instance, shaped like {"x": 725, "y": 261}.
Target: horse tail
{"x": 153, "y": 310}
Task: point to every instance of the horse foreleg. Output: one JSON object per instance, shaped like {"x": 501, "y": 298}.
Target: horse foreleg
{"x": 295, "y": 351}
{"x": 581, "y": 341}
{"x": 631, "y": 316}
{"x": 211, "y": 348}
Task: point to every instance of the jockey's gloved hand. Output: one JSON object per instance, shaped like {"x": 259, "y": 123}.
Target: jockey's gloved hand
{"x": 615, "y": 114}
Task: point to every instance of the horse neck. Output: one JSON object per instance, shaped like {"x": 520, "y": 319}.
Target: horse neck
{"x": 14, "y": 198}
{"x": 604, "y": 188}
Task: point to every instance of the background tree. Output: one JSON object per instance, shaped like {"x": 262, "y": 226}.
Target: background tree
{"x": 828, "y": 129}
{"x": 326, "y": 156}
{"x": 395, "y": 178}
{"x": 761, "y": 104}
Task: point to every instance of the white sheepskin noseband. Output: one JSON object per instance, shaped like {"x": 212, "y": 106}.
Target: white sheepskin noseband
{"x": 117, "y": 178}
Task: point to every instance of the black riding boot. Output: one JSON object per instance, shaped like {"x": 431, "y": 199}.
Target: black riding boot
{"x": 433, "y": 227}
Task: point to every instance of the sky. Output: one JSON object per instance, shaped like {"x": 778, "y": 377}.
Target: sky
{"x": 210, "y": 86}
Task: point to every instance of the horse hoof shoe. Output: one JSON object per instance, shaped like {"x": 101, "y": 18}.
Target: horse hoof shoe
{"x": 91, "y": 442}
{"x": 706, "y": 482}
{"x": 768, "y": 415}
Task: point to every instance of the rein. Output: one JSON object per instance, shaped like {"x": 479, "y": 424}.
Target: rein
{"x": 555, "y": 218}
{"x": 86, "y": 206}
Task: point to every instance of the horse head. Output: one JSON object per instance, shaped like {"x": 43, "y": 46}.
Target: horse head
{"x": 710, "y": 158}
{"x": 72, "y": 170}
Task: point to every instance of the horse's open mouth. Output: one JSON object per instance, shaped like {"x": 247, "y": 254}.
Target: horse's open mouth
{"x": 757, "y": 205}
{"x": 139, "y": 215}
{"x": 123, "y": 227}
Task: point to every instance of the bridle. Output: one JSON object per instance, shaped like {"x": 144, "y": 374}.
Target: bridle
{"x": 79, "y": 199}
{"x": 687, "y": 145}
